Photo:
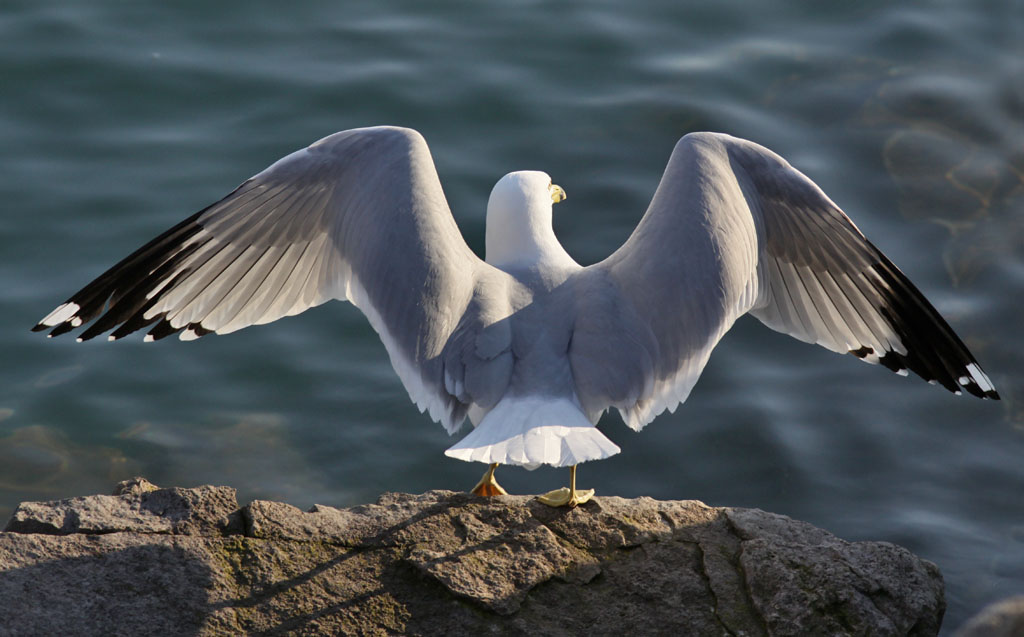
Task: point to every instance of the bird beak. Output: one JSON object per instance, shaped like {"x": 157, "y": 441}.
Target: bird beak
{"x": 557, "y": 194}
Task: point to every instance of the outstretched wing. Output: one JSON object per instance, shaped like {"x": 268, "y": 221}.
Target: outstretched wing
{"x": 357, "y": 216}
{"x": 823, "y": 282}
{"x": 734, "y": 228}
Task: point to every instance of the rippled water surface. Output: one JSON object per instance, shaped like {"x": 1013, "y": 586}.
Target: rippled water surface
{"x": 118, "y": 119}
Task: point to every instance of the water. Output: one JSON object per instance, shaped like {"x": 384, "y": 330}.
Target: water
{"x": 117, "y": 120}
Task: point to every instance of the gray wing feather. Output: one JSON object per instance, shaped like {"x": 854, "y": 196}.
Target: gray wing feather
{"x": 358, "y": 216}
{"x": 734, "y": 228}
{"x": 687, "y": 271}
{"x": 823, "y": 282}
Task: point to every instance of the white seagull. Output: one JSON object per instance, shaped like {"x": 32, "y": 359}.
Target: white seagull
{"x": 529, "y": 344}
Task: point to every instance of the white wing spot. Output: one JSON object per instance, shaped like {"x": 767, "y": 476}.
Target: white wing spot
{"x": 61, "y": 314}
{"x": 979, "y": 377}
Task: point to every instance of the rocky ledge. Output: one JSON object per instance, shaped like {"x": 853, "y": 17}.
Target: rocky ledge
{"x": 191, "y": 561}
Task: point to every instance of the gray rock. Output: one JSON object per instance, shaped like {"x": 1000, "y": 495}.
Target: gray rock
{"x": 137, "y": 506}
{"x": 188, "y": 561}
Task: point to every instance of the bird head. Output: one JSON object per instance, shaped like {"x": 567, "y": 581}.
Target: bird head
{"x": 519, "y": 216}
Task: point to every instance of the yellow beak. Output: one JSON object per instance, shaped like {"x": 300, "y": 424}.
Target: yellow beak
{"x": 557, "y": 194}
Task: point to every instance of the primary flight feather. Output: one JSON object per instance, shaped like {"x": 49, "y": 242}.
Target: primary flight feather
{"x": 529, "y": 344}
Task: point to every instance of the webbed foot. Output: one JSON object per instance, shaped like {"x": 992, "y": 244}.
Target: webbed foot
{"x": 567, "y": 496}
{"x": 488, "y": 486}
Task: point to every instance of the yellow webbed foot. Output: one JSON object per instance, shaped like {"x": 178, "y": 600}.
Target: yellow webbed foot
{"x": 564, "y": 497}
{"x": 488, "y": 486}
{"x": 567, "y": 496}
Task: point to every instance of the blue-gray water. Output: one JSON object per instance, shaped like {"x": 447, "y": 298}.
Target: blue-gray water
{"x": 119, "y": 119}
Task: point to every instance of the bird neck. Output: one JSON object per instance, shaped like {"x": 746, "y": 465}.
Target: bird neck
{"x": 524, "y": 241}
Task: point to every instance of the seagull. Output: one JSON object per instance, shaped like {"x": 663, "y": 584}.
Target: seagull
{"x": 527, "y": 343}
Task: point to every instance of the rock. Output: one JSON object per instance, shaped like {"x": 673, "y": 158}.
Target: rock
{"x": 1001, "y": 619}
{"x": 137, "y": 506}
{"x": 189, "y": 561}
{"x": 134, "y": 486}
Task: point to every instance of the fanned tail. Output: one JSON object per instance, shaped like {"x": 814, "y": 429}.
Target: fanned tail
{"x": 530, "y": 432}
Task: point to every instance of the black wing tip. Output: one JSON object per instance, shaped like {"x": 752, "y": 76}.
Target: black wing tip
{"x": 970, "y": 379}
{"x": 985, "y": 395}
{"x": 980, "y": 381}
{"x": 161, "y": 330}
{"x": 62, "y": 319}
{"x": 120, "y": 294}
{"x": 933, "y": 350}
{"x": 974, "y": 390}
{"x": 61, "y": 328}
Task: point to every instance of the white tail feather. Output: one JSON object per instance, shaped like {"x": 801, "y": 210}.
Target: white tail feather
{"x": 530, "y": 432}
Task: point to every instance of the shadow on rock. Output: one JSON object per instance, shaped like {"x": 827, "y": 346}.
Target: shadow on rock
{"x": 103, "y": 586}
{"x": 446, "y": 563}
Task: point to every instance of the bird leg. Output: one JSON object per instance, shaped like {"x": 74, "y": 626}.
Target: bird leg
{"x": 488, "y": 486}
{"x": 567, "y": 497}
